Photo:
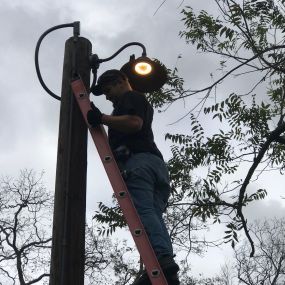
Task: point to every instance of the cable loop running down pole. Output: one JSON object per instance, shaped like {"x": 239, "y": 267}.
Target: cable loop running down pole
{"x": 76, "y": 32}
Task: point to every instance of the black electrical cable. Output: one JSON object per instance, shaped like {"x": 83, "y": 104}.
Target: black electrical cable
{"x": 74, "y": 25}
{"x": 94, "y": 60}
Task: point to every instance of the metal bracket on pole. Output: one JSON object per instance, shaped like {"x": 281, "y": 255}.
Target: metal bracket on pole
{"x": 76, "y": 29}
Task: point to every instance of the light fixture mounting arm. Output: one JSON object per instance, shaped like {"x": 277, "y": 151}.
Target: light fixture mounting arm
{"x": 95, "y": 60}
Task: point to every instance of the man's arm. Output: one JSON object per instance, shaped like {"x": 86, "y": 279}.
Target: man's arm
{"x": 127, "y": 124}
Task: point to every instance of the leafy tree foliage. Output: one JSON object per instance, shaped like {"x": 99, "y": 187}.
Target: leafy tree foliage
{"x": 183, "y": 226}
{"x": 246, "y": 37}
{"x": 110, "y": 216}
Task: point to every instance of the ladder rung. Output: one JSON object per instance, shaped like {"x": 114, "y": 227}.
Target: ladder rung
{"x": 122, "y": 194}
{"x": 137, "y": 232}
{"x": 155, "y": 273}
{"x": 108, "y": 158}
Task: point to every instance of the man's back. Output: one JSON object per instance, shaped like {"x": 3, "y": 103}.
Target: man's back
{"x": 134, "y": 103}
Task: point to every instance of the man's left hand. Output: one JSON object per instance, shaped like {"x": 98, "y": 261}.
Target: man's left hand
{"x": 94, "y": 116}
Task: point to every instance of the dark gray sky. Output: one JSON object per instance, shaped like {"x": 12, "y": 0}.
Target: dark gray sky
{"x": 29, "y": 117}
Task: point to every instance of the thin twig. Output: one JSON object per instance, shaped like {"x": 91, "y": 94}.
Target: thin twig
{"x": 159, "y": 7}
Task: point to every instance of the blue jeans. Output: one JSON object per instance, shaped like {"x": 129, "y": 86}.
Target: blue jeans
{"x": 148, "y": 185}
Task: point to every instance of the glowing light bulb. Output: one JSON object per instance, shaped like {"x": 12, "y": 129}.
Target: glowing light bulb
{"x": 143, "y": 68}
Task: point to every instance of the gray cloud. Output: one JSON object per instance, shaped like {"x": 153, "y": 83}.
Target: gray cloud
{"x": 264, "y": 210}
{"x": 29, "y": 117}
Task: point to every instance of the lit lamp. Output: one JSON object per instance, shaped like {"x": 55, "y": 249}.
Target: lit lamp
{"x": 143, "y": 68}
{"x": 144, "y": 74}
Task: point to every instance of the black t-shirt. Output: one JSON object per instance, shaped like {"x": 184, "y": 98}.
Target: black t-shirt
{"x": 134, "y": 103}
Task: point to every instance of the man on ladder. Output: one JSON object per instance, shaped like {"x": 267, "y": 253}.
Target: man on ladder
{"x": 146, "y": 176}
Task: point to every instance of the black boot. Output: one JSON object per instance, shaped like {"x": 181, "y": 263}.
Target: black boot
{"x": 168, "y": 265}
{"x": 172, "y": 279}
{"x": 169, "y": 268}
{"x": 144, "y": 280}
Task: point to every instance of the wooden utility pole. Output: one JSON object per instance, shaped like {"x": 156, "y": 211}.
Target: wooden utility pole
{"x": 68, "y": 244}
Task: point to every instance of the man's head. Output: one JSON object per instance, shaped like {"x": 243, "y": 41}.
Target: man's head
{"x": 112, "y": 83}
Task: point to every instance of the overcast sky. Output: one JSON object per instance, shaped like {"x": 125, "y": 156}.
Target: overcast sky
{"x": 30, "y": 117}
